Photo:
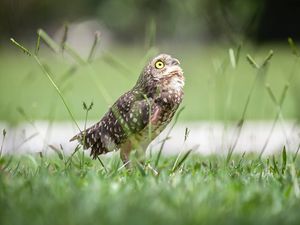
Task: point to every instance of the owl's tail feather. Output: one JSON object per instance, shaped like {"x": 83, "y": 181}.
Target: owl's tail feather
{"x": 91, "y": 139}
{"x": 84, "y": 138}
{"x": 76, "y": 137}
{"x": 80, "y": 138}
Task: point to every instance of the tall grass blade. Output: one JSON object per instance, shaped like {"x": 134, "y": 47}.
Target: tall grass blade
{"x": 267, "y": 59}
{"x": 232, "y": 58}
{"x": 150, "y": 33}
{"x": 252, "y": 62}
{"x": 57, "y": 151}
{"x": 177, "y": 164}
{"x": 38, "y": 43}
{"x": 93, "y": 48}
{"x": 48, "y": 40}
{"x": 74, "y": 54}
{"x": 3, "y": 139}
{"x": 102, "y": 164}
{"x": 25, "y": 50}
{"x": 278, "y": 113}
{"x": 295, "y": 180}
{"x": 117, "y": 64}
{"x": 186, "y": 134}
{"x": 283, "y": 160}
{"x": 48, "y": 75}
{"x": 27, "y": 139}
{"x": 296, "y": 154}
{"x": 64, "y": 37}
{"x": 293, "y": 46}
{"x": 57, "y": 90}
{"x": 260, "y": 72}
{"x": 238, "y": 53}
{"x": 271, "y": 94}
{"x": 168, "y": 133}
{"x": 69, "y": 161}
{"x": 8, "y": 162}
{"x": 275, "y": 167}
{"x": 141, "y": 168}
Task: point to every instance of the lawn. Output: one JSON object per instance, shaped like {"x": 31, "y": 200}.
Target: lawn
{"x": 197, "y": 190}
{"x": 214, "y": 90}
{"x": 188, "y": 189}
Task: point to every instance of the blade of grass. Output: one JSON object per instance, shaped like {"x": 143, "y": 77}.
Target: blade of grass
{"x": 278, "y": 113}
{"x": 3, "y": 139}
{"x": 150, "y": 33}
{"x": 177, "y": 164}
{"x": 141, "y": 168}
{"x": 74, "y": 54}
{"x": 295, "y": 180}
{"x": 57, "y": 151}
{"x": 260, "y": 72}
{"x": 232, "y": 58}
{"x": 167, "y": 136}
{"x": 267, "y": 59}
{"x": 38, "y": 43}
{"x": 296, "y": 154}
{"x": 252, "y": 62}
{"x": 283, "y": 160}
{"x": 293, "y": 46}
{"x": 27, "y": 139}
{"x": 275, "y": 167}
{"x": 238, "y": 52}
{"x": 186, "y": 134}
{"x": 93, "y": 48}
{"x": 49, "y": 76}
{"x": 102, "y": 164}
{"x": 64, "y": 37}
{"x": 48, "y": 40}
{"x": 69, "y": 160}
{"x": 116, "y": 64}
{"x": 9, "y": 161}
{"x": 25, "y": 50}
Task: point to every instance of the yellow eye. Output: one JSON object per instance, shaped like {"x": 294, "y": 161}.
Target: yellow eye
{"x": 159, "y": 64}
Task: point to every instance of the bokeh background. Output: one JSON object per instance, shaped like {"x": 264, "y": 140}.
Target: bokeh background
{"x": 128, "y": 21}
{"x": 198, "y": 32}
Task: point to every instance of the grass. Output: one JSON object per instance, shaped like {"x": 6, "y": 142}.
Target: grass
{"x": 230, "y": 84}
{"x": 202, "y": 190}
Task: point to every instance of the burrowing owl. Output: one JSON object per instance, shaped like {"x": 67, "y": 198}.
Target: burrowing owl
{"x": 140, "y": 114}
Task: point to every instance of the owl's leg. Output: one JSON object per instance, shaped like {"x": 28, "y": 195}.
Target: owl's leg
{"x": 140, "y": 155}
{"x": 125, "y": 153}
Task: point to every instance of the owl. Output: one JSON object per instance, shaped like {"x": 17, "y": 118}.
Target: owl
{"x": 140, "y": 114}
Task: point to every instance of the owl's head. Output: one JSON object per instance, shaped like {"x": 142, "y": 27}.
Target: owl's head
{"x": 163, "y": 68}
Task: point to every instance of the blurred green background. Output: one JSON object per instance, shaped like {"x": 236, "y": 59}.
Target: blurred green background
{"x": 199, "y": 33}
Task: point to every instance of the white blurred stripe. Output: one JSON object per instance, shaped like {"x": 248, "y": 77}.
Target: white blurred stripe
{"x": 209, "y": 137}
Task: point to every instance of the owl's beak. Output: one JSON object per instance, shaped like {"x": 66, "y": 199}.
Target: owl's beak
{"x": 175, "y": 62}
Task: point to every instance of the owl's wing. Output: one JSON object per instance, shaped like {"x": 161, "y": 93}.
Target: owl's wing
{"x": 133, "y": 112}
{"x": 130, "y": 114}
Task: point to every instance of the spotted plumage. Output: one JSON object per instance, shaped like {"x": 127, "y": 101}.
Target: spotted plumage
{"x": 140, "y": 114}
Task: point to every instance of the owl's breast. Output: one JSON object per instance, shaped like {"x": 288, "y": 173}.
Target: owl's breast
{"x": 168, "y": 102}
{"x": 170, "y": 99}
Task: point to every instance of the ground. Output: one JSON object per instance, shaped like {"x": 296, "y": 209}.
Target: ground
{"x": 197, "y": 190}
{"x": 188, "y": 189}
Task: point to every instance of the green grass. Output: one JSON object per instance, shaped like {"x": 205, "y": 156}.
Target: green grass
{"x": 202, "y": 190}
{"x": 188, "y": 189}
{"x": 214, "y": 90}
